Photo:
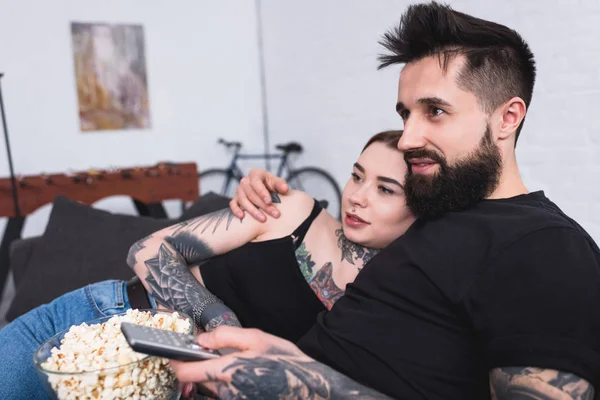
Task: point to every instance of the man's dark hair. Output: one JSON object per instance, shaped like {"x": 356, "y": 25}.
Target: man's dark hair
{"x": 499, "y": 64}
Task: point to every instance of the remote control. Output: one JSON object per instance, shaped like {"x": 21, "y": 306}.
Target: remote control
{"x": 167, "y": 344}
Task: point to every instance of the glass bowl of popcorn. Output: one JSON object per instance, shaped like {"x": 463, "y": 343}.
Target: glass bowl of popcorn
{"x": 94, "y": 361}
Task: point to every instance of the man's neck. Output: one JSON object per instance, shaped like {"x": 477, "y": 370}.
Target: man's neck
{"x": 510, "y": 183}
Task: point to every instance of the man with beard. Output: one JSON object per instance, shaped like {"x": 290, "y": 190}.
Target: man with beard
{"x": 492, "y": 292}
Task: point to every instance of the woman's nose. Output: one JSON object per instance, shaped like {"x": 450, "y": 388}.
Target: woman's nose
{"x": 359, "y": 198}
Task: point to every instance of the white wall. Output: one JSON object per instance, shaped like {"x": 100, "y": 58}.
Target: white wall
{"x": 324, "y": 90}
{"x": 322, "y": 84}
{"x": 202, "y": 66}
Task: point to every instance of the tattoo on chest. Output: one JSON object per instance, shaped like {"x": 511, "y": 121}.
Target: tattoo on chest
{"x": 324, "y": 286}
{"x": 352, "y": 251}
{"x": 303, "y": 257}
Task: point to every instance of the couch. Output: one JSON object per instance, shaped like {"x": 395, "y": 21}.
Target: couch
{"x": 82, "y": 245}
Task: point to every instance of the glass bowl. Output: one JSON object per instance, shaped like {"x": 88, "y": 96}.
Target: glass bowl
{"x": 147, "y": 377}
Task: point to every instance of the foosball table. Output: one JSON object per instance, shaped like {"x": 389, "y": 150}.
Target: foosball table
{"x": 148, "y": 187}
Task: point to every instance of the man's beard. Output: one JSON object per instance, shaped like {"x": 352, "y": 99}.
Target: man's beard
{"x": 456, "y": 187}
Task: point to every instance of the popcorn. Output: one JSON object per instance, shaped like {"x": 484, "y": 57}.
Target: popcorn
{"x": 114, "y": 370}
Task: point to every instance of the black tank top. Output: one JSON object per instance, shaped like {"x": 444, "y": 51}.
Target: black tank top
{"x": 262, "y": 283}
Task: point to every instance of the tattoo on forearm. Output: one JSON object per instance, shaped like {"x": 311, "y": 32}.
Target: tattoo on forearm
{"x": 218, "y": 314}
{"x": 324, "y": 286}
{"x": 213, "y": 219}
{"x": 275, "y": 198}
{"x": 523, "y": 383}
{"x": 229, "y": 319}
{"x": 283, "y": 376}
{"x": 134, "y": 250}
{"x": 173, "y": 285}
{"x": 352, "y": 252}
{"x": 192, "y": 249}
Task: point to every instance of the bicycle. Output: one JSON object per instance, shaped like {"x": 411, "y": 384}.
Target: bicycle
{"x": 312, "y": 180}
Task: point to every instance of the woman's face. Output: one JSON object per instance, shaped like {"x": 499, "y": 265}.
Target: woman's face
{"x": 374, "y": 212}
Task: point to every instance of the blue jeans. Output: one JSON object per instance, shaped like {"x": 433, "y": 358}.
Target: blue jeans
{"x": 21, "y": 338}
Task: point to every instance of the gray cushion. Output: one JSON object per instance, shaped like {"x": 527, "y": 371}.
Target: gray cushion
{"x": 20, "y": 252}
{"x": 82, "y": 245}
{"x": 207, "y": 203}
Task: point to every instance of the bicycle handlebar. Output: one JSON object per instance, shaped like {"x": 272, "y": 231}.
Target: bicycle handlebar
{"x": 287, "y": 148}
{"x": 229, "y": 144}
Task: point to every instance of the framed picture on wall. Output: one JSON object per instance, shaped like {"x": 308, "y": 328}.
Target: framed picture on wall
{"x": 111, "y": 76}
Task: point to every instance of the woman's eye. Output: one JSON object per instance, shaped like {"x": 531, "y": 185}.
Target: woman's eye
{"x": 434, "y": 111}
{"x": 355, "y": 177}
{"x": 386, "y": 190}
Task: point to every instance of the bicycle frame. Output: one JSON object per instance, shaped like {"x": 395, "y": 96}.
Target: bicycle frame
{"x": 283, "y": 161}
{"x": 234, "y": 171}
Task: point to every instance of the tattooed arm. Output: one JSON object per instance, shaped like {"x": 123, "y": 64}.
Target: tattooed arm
{"x": 167, "y": 261}
{"x": 536, "y": 383}
{"x": 267, "y": 367}
{"x": 174, "y": 287}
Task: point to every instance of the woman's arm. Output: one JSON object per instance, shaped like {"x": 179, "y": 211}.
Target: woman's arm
{"x": 163, "y": 260}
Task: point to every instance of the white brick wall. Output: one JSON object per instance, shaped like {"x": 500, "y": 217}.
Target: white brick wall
{"x": 324, "y": 90}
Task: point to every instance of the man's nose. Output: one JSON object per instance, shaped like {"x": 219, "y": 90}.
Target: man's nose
{"x": 412, "y": 137}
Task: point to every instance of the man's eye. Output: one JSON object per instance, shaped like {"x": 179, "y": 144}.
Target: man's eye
{"x": 434, "y": 111}
{"x": 404, "y": 114}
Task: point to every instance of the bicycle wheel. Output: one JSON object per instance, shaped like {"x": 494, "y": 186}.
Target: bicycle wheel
{"x": 320, "y": 185}
{"x": 220, "y": 181}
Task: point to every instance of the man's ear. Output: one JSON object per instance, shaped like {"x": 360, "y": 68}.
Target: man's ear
{"x": 511, "y": 114}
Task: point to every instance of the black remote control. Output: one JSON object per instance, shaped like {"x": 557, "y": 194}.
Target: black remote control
{"x": 164, "y": 343}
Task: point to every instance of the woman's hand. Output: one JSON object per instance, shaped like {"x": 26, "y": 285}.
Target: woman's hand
{"x": 253, "y": 195}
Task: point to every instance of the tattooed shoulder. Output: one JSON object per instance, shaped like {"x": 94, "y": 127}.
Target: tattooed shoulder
{"x": 537, "y": 383}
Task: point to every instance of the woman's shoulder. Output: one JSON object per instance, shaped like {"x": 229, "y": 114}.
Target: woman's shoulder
{"x": 293, "y": 199}
{"x": 294, "y": 207}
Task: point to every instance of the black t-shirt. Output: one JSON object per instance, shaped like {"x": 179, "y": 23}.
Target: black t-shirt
{"x": 510, "y": 282}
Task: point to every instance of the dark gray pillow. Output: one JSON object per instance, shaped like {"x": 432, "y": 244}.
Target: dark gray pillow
{"x": 20, "y": 253}
{"x": 207, "y": 203}
{"x": 82, "y": 245}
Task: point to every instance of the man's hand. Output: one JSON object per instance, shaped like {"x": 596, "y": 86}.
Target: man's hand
{"x": 254, "y": 194}
{"x": 265, "y": 367}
